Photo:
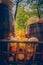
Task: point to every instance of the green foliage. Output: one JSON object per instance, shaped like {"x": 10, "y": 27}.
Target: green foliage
{"x": 21, "y": 19}
{"x": 23, "y": 16}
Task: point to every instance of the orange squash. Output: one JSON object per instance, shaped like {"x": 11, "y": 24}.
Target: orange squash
{"x": 22, "y": 46}
{"x": 14, "y": 48}
{"x": 28, "y": 56}
{"x": 40, "y": 20}
{"x": 11, "y": 58}
{"x": 20, "y": 56}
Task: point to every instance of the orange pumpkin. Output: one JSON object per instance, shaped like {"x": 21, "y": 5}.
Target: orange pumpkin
{"x": 22, "y": 46}
{"x": 28, "y": 56}
{"x": 40, "y": 20}
{"x": 14, "y": 48}
{"x": 11, "y": 58}
{"x": 20, "y": 56}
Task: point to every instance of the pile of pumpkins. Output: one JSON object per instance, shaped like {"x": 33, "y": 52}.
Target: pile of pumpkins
{"x": 23, "y": 48}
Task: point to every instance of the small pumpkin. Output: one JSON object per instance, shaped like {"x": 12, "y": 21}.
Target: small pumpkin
{"x": 11, "y": 58}
{"x": 28, "y": 56}
{"x": 14, "y": 47}
{"x": 22, "y": 46}
{"x": 40, "y": 20}
{"x": 20, "y": 56}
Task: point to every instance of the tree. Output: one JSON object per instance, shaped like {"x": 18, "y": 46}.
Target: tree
{"x": 21, "y": 20}
{"x": 23, "y": 15}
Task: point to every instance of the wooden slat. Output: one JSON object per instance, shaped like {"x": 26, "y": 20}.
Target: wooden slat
{"x": 23, "y": 41}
